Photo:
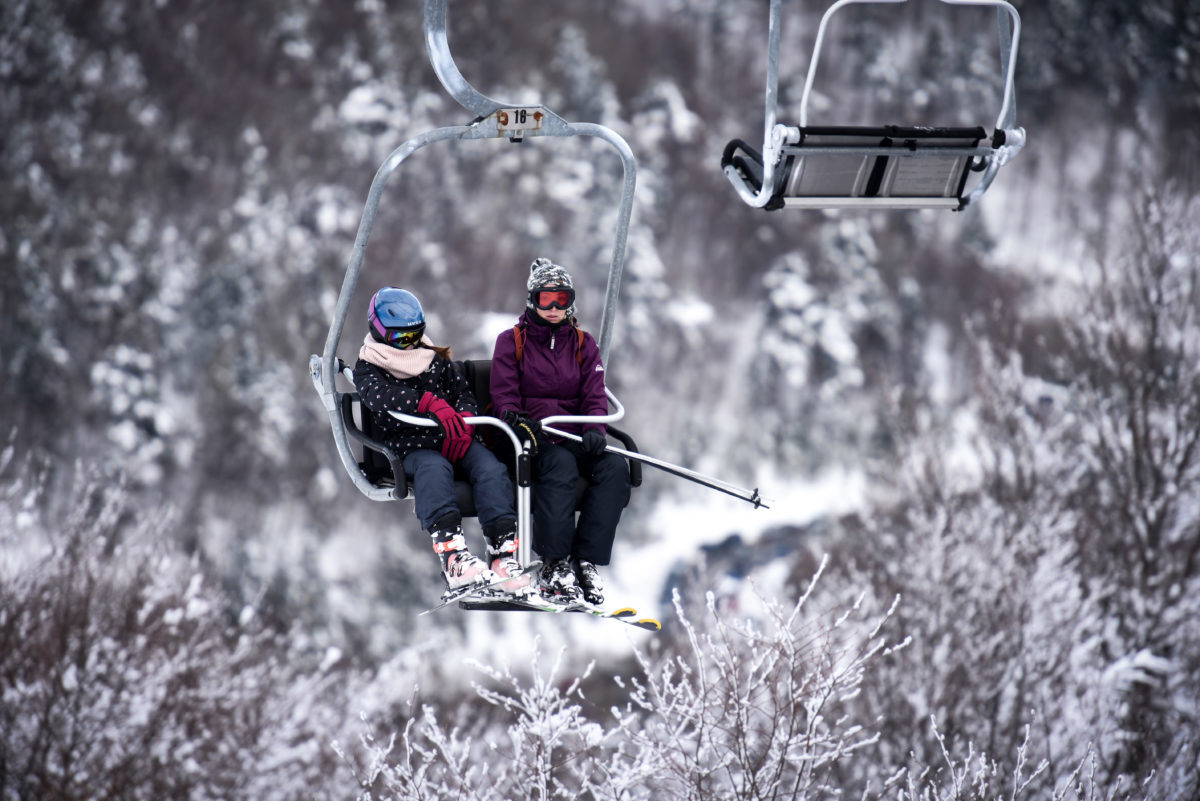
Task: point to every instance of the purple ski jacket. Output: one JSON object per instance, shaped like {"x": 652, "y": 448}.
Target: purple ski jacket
{"x": 550, "y": 378}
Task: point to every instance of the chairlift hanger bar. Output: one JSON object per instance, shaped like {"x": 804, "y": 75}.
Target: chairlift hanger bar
{"x": 438, "y": 46}
{"x": 1008, "y": 56}
{"x": 487, "y": 109}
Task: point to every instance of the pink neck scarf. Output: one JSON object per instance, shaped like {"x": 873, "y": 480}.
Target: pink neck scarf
{"x": 400, "y": 363}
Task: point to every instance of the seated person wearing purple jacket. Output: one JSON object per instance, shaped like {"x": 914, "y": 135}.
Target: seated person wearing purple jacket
{"x": 546, "y": 365}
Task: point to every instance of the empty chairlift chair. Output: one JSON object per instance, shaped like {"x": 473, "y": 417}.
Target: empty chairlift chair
{"x": 886, "y": 166}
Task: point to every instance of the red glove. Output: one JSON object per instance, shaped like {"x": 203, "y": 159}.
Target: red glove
{"x": 458, "y": 433}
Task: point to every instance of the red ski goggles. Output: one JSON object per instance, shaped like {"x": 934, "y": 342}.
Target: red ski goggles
{"x": 562, "y": 298}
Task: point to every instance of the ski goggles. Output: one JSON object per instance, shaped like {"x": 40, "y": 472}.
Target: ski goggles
{"x": 561, "y": 298}
{"x": 403, "y": 337}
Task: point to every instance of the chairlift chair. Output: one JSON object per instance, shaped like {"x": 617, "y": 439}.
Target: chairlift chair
{"x": 890, "y": 167}
{"x": 379, "y": 474}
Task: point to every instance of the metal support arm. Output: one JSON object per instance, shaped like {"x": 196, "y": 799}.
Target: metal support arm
{"x": 520, "y": 452}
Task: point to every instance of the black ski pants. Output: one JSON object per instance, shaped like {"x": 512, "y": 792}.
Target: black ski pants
{"x": 556, "y": 534}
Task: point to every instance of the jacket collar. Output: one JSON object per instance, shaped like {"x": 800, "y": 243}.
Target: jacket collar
{"x": 540, "y": 330}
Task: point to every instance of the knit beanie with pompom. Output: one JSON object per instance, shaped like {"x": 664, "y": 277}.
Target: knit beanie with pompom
{"x": 545, "y": 274}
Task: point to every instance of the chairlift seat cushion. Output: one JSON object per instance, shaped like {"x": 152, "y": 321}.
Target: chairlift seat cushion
{"x": 888, "y": 165}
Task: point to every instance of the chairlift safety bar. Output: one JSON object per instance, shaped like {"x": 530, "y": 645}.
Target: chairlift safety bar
{"x": 615, "y": 416}
{"x": 520, "y": 454}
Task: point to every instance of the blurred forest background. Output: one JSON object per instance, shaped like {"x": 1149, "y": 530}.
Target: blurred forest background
{"x": 196, "y": 601}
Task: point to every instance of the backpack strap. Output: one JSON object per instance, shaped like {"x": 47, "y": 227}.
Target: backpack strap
{"x": 519, "y": 341}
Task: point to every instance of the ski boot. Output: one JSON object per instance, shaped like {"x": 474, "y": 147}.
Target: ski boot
{"x": 502, "y": 556}
{"x": 460, "y": 567}
{"x": 557, "y": 581}
{"x": 590, "y": 583}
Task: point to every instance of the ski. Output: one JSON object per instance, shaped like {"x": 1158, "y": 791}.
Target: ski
{"x": 503, "y": 602}
{"x": 626, "y": 614}
{"x": 462, "y": 593}
{"x": 498, "y": 602}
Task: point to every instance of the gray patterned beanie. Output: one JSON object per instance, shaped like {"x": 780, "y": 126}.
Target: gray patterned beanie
{"x": 544, "y": 273}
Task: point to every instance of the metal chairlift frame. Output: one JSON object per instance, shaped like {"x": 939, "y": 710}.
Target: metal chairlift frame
{"x": 781, "y": 141}
{"x": 493, "y": 120}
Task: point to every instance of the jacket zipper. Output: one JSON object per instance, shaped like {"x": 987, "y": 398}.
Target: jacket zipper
{"x": 552, "y": 336}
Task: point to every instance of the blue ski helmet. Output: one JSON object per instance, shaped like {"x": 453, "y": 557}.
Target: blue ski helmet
{"x": 396, "y": 318}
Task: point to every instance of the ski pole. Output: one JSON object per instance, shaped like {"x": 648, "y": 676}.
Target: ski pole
{"x": 749, "y": 496}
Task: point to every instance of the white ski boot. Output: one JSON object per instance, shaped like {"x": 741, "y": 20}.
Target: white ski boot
{"x": 502, "y": 556}
{"x": 460, "y": 567}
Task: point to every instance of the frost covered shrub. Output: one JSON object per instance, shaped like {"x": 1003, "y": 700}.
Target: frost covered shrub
{"x": 122, "y": 675}
{"x": 1131, "y": 432}
{"x": 537, "y": 742}
{"x": 741, "y": 711}
{"x": 1000, "y": 640}
{"x": 1048, "y": 561}
{"x": 756, "y": 709}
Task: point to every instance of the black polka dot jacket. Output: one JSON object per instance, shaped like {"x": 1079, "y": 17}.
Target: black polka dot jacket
{"x": 381, "y": 391}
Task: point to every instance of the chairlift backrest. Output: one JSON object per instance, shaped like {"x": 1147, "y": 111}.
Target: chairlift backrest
{"x": 872, "y": 166}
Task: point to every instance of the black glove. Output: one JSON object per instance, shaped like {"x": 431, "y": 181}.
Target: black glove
{"x": 526, "y": 428}
{"x": 594, "y": 442}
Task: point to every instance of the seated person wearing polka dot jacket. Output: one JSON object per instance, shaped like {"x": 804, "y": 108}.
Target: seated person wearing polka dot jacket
{"x": 400, "y": 369}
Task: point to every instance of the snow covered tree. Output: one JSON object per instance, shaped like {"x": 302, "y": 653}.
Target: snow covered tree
{"x": 1133, "y": 367}
{"x": 830, "y": 323}
{"x": 122, "y": 674}
{"x": 757, "y": 709}
{"x": 1046, "y": 553}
